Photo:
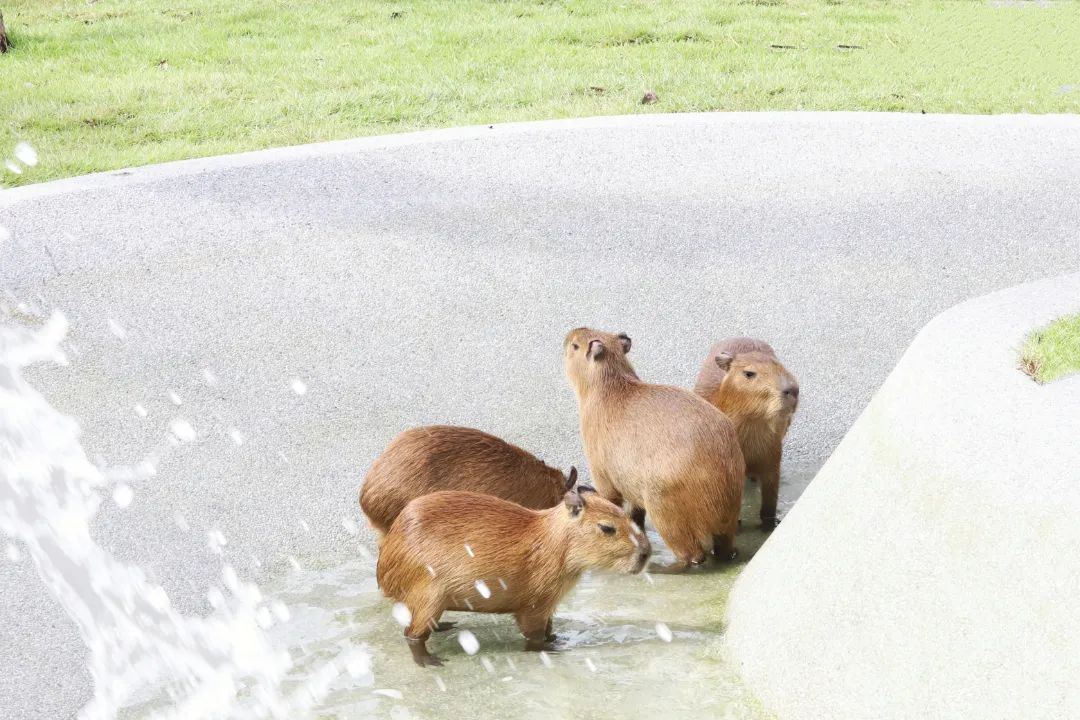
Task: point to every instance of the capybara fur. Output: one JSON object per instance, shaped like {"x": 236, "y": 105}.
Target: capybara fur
{"x": 444, "y": 457}
{"x": 663, "y": 449}
{"x": 742, "y": 377}
{"x": 468, "y": 551}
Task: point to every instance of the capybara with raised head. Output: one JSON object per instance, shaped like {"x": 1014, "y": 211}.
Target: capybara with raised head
{"x": 445, "y": 457}
{"x": 742, "y": 377}
{"x": 662, "y": 449}
{"x": 467, "y": 551}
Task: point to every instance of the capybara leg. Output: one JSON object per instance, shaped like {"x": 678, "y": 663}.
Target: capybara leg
{"x": 535, "y": 628}
{"x": 444, "y": 626}
{"x": 424, "y": 618}
{"x": 724, "y": 548}
{"x": 549, "y": 632}
{"x": 638, "y": 516}
{"x": 680, "y": 540}
{"x": 770, "y": 490}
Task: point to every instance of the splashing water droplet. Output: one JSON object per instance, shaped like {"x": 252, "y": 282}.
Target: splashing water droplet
{"x": 440, "y": 683}
{"x": 469, "y": 550}
{"x": 12, "y": 553}
{"x": 502, "y": 583}
{"x": 358, "y": 665}
{"x": 545, "y": 658}
{"x": 401, "y": 614}
{"x": 488, "y": 665}
{"x": 26, "y": 153}
{"x": 664, "y": 632}
{"x": 388, "y": 692}
{"x": 174, "y": 398}
{"x": 298, "y": 386}
{"x": 13, "y": 167}
{"x": 209, "y": 377}
{"x": 483, "y": 589}
{"x": 182, "y": 429}
{"x": 280, "y": 610}
{"x": 350, "y": 526}
{"x": 431, "y": 571}
{"x": 123, "y": 495}
{"x": 304, "y": 526}
{"x": 294, "y": 563}
{"x": 215, "y": 597}
{"x": 140, "y": 411}
{"x": 117, "y": 329}
{"x": 216, "y": 540}
{"x": 512, "y": 664}
{"x": 468, "y": 642}
{"x": 590, "y": 664}
{"x": 237, "y": 436}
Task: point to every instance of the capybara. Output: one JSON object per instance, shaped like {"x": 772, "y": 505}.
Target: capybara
{"x": 467, "y": 551}
{"x": 444, "y": 457}
{"x": 662, "y": 449}
{"x": 743, "y": 378}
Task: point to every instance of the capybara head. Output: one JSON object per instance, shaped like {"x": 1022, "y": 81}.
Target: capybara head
{"x": 758, "y": 380}
{"x": 602, "y": 535}
{"x": 591, "y": 355}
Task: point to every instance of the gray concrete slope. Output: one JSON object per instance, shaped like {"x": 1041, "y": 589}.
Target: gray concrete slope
{"x": 930, "y": 570}
{"x": 431, "y": 278}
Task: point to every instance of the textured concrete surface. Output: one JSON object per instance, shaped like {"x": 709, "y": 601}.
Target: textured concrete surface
{"x": 930, "y": 569}
{"x": 431, "y": 277}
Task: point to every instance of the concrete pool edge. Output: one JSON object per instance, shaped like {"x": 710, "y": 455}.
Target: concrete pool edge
{"x": 125, "y": 177}
{"x": 925, "y": 572}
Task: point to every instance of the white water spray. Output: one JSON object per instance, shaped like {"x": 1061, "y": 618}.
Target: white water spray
{"x": 139, "y": 647}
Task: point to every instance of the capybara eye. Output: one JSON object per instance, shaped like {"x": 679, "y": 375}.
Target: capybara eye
{"x": 608, "y": 529}
{"x": 574, "y": 345}
{"x": 749, "y": 374}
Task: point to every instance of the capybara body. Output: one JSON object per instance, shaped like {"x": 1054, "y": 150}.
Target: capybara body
{"x": 469, "y": 551}
{"x": 423, "y": 460}
{"x": 744, "y": 379}
{"x": 663, "y": 449}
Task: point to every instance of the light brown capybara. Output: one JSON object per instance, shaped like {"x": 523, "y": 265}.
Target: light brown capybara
{"x": 423, "y": 460}
{"x": 743, "y": 378}
{"x": 663, "y": 449}
{"x": 467, "y": 551}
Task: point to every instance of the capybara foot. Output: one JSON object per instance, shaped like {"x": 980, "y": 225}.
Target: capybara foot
{"x": 725, "y": 555}
{"x": 428, "y": 660}
{"x": 769, "y": 524}
{"x": 544, "y": 644}
{"x": 420, "y": 654}
{"x": 444, "y": 626}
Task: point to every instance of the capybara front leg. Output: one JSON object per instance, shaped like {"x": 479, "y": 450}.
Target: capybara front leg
{"x": 770, "y": 490}
{"x": 535, "y": 628}
{"x": 418, "y": 647}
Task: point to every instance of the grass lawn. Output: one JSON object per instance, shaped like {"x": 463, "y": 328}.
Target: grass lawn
{"x": 114, "y": 83}
{"x": 1053, "y": 351}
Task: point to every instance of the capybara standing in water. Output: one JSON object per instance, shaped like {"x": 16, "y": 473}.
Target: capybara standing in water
{"x": 467, "y": 551}
{"x": 662, "y": 449}
{"x": 743, "y": 378}
{"x": 444, "y": 457}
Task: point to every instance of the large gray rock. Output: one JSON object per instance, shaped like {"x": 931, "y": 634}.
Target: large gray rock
{"x": 930, "y": 570}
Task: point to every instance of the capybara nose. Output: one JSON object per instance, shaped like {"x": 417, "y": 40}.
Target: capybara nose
{"x": 792, "y": 391}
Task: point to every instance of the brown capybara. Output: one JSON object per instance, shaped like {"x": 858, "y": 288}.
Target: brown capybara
{"x": 445, "y": 457}
{"x": 467, "y": 551}
{"x": 742, "y": 377}
{"x": 662, "y": 449}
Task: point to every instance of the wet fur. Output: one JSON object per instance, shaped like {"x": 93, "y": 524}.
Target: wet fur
{"x": 443, "y": 457}
{"x": 539, "y": 555}
{"x": 660, "y": 448}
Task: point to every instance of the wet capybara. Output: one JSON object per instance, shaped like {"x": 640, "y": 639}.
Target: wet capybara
{"x": 743, "y": 378}
{"x": 445, "y": 457}
{"x": 468, "y": 551}
{"x": 663, "y": 449}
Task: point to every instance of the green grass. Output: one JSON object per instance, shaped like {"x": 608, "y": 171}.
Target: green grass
{"x": 115, "y": 83}
{"x": 1053, "y": 351}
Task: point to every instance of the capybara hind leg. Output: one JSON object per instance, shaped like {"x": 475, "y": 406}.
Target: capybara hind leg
{"x": 424, "y": 618}
{"x": 724, "y": 548}
{"x": 681, "y": 541}
{"x": 770, "y": 490}
{"x": 535, "y": 628}
{"x": 549, "y": 632}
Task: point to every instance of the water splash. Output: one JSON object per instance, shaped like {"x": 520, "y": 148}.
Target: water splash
{"x": 140, "y": 648}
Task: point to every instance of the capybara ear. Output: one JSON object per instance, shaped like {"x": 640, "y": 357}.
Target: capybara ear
{"x": 573, "y": 503}
{"x": 625, "y": 340}
{"x": 596, "y": 349}
{"x": 585, "y": 489}
{"x": 571, "y": 479}
{"x": 723, "y": 360}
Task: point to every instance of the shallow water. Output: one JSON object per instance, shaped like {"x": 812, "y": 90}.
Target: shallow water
{"x": 612, "y": 659}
